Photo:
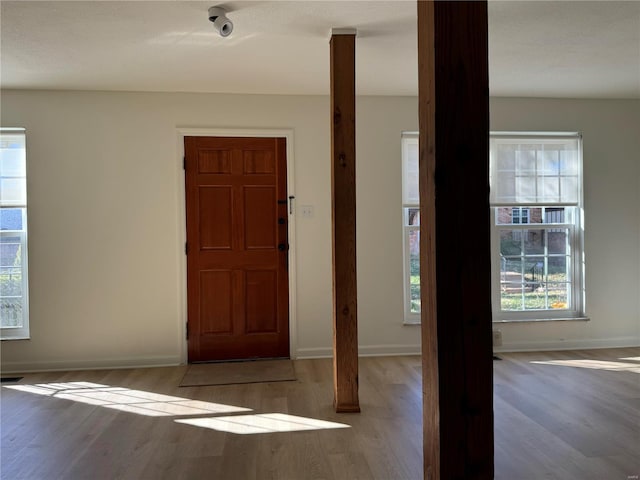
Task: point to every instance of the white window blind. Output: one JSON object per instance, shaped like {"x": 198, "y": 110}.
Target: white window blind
{"x": 529, "y": 170}
{"x": 13, "y": 175}
{"x": 410, "y": 189}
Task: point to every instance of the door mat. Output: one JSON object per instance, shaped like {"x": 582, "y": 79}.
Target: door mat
{"x": 258, "y": 371}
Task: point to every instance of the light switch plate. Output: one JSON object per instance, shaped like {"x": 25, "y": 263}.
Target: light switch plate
{"x": 306, "y": 211}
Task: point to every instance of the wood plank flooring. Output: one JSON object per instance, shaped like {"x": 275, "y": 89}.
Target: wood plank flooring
{"x": 575, "y": 417}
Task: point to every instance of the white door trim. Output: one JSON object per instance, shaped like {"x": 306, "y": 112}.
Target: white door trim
{"x": 182, "y": 220}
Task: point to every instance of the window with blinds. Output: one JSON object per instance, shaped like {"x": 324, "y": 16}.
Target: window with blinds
{"x": 411, "y": 227}
{"x": 14, "y": 303}
{"x": 536, "y": 203}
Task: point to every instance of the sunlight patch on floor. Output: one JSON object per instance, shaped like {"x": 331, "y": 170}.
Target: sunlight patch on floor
{"x": 158, "y": 405}
{"x": 632, "y": 359}
{"x": 593, "y": 364}
{"x": 127, "y": 400}
{"x": 261, "y": 423}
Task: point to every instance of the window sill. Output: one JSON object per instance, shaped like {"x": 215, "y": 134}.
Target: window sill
{"x": 14, "y": 338}
{"x": 520, "y": 320}
{"x": 410, "y": 324}
{"x": 543, "y": 320}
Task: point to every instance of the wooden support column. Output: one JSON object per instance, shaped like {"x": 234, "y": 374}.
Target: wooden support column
{"x": 454, "y": 234}
{"x": 343, "y": 219}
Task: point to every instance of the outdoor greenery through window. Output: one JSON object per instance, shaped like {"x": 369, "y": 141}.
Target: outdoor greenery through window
{"x": 14, "y": 305}
{"x": 411, "y": 227}
{"x": 536, "y": 192}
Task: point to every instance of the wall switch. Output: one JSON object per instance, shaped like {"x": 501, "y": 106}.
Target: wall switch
{"x": 497, "y": 338}
{"x": 306, "y": 211}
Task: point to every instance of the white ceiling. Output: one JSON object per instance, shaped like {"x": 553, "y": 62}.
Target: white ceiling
{"x": 536, "y": 48}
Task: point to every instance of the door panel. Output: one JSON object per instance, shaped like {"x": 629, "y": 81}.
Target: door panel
{"x": 214, "y": 161}
{"x": 216, "y": 224}
{"x": 261, "y": 301}
{"x": 260, "y": 205}
{"x": 258, "y": 162}
{"x": 237, "y": 280}
{"x": 215, "y": 301}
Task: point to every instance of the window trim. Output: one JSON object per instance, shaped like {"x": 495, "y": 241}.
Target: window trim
{"x": 576, "y": 245}
{"x": 23, "y": 332}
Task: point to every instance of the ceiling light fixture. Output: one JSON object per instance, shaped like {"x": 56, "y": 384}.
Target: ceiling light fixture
{"x": 221, "y": 23}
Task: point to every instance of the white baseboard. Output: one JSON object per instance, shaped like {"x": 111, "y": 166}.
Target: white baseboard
{"x": 103, "y": 364}
{"x": 363, "y": 351}
{"x": 309, "y": 353}
{"x": 569, "y": 344}
{"x": 519, "y": 346}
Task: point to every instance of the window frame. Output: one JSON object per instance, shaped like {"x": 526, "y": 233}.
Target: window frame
{"x": 23, "y": 332}
{"x": 575, "y": 244}
{"x": 409, "y": 317}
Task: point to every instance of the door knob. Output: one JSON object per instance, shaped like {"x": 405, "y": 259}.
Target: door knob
{"x": 282, "y": 247}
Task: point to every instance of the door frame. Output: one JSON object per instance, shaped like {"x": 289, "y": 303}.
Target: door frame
{"x": 183, "y": 132}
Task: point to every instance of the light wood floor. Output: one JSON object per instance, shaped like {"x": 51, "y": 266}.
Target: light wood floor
{"x": 557, "y": 420}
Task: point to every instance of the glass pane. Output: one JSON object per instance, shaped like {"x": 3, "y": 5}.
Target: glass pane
{"x": 510, "y": 242}
{"x": 511, "y": 269}
{"x": 526, "y": 189}
{"x": 558, "y": 269}
{"x": 11, "y": 218}
{"x": 511, "y": 296}
{"x": 526, "y": 159}
{"x": 534, "y": 270}
{"x": 415, "y": 298}
{"x": 410, "y": 171}
{"x": 505, "y": 158}
{"x": 503, "y": 187}
{"x": 558, "y": 296}
{"x": 569, "y": 160}
{"x": 11, "y": 312}
{"x": 503, "y": 216}
{"x": 533, "y": 242}
{"x": 535, "y": 215}
{"x": 12, "y": 161}
{"x": 13, "y": 191}
{"x": 413, "y": 216}
{"x": 569, "y": 189}
{"x": 557, "y": 240}
{"x": 554, "y": 215}
{"x": 10, "y": 251}
{"x": 10, "y": 282}
{"x": 534, "y": 296}
{"x": 549, "y": 189}
{"x": 549, "y": 162}
{"x": 414, "y": 269}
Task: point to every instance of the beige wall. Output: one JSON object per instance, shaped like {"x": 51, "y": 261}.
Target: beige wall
{"x": 105, "y": 199}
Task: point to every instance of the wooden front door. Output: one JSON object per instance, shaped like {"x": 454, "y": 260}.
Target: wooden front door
{"x": 237, "y": 250}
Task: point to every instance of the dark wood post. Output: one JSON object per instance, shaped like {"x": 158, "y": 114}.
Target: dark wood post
{"x": 454, "y": 235}
{"x": 343, "y": 219}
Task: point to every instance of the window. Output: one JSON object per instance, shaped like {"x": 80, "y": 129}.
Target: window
{"x": 411, "y": 227}
{"x": 519, "y": 215}
{"x": 536, "y": 234}
{"x": 14, "y": 304}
